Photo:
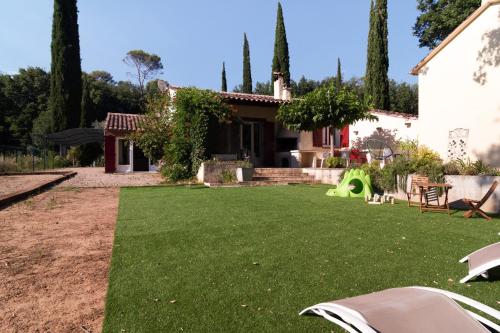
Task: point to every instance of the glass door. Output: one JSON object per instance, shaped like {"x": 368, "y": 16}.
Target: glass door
{"x": 251, "y": 142}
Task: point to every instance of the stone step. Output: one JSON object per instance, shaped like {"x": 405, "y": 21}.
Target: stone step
{"x": 283, "y": 178}
{"x": 294, "y": 180}
{"x": 277, "y": 171}
{"x": 274, "y": 183}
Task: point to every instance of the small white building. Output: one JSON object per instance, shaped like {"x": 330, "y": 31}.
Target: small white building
{"x": 459, "y": 90}
{"x": 402, "y": 126}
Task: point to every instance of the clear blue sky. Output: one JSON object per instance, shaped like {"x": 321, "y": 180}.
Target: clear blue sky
{"x": 193, "y": 37}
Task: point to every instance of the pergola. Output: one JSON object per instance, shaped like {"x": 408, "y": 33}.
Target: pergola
{"x": 76, "y": 136}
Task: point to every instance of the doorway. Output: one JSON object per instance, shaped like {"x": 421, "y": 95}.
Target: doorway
{"x": 251, "y": 142}
{"x": 141, "y": 162}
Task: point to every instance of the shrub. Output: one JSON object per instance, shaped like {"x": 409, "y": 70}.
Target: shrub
{"x": 416, "y": 159}
{"x": 334, "y": 162}
{"x": 227, "y": 176}
{"x": 8, "y": 165}
{"x": 61, "y": 162}
{"x": 469, "y": 168}
{"x": 451, "y": 168}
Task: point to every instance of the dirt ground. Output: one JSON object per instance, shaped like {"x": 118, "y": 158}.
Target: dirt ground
{"x": 55, "y": 250}
{"x": 11, "y": 184}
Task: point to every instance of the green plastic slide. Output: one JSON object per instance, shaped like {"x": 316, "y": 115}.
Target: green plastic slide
{"x": 356, "y": 184}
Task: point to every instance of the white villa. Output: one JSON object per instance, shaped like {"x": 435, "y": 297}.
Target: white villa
{"x": 459, "y": 90}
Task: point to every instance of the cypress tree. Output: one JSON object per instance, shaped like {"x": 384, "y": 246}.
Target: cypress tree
{"x": 247, "y": 71}
{"x": 376, "y": 79}
{"x": 369, "y": 51}
{"x": 66, "y": 72}
{"x": 224, "y": 81}
{"x": 281, "y": 58}
{"x": 338, "y": 79}
{"x": 86, "y": 106}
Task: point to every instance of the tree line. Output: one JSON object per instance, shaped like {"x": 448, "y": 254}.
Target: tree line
{"x": 33, "y": 102}
{"x": 24, "y": 101}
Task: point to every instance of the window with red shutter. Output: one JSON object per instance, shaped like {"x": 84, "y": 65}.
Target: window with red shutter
{"x": 318, "y": 138}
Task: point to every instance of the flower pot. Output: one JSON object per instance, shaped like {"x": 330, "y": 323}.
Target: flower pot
{"x": 244, "y": 174}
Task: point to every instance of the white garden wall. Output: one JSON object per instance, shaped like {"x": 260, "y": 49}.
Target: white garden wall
{"x": 403, "y": 126}
{"x": 326, "y": 176}
{"x": 471, "y": 187}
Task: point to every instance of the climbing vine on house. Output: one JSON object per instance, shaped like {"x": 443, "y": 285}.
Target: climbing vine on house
{"x": 156, "y": 128}
{"x": 187, "y": 147}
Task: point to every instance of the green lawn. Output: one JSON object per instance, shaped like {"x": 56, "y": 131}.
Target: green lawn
{"x": 249, "y": 259}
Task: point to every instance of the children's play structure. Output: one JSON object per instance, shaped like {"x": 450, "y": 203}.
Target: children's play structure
{"x": 356, "y": 184}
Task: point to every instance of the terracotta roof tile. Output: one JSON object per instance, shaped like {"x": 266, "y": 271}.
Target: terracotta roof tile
{"x": 240, "y": 97}
{"x": 123, "y": 122}
{"x": 394, "y": 114}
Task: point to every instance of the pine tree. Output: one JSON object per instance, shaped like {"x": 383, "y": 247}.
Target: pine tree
{"x": 338, "y": 79}
{"x": 281, "y": 58}
{"x": 66, "y": 72}
{"x": 377, "y": 67}
{"x": 247, "y": 71}
{"x": 224, "y": 80}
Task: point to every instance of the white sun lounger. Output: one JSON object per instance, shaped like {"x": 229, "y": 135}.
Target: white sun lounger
{"x": 481, "y": 261}
{"x": 409, "y": 310}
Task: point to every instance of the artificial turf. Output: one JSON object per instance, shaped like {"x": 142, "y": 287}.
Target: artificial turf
{"x": 193, "y": 259}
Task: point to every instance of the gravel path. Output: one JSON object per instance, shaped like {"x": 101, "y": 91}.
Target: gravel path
{"x": 95, "y": 177}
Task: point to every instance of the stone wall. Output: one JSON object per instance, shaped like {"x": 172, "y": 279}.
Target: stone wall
{"x": 326, "y": 176}
{"x": 212, "y": 172}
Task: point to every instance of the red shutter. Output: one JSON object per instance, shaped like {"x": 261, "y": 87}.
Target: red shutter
{"x": 344, "y": 137}
{"x": 109, "y": 154}
{"x": 318, "y": 138}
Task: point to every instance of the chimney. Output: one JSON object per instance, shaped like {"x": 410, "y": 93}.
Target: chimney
{"x": 281, "y": 91}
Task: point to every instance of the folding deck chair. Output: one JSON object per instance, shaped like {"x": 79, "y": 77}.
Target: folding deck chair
{"x": 409, "y": 310}
{"x": 476, "y": 205}
{"x": 414, "y": 188}
{"x": 481, "y": 261}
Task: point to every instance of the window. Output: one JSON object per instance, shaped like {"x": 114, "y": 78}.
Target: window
{"x": 123, "y": 152}
{"x": 327, "y": 137}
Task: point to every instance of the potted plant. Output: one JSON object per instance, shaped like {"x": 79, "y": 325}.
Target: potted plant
{"x": 244, "y": 171}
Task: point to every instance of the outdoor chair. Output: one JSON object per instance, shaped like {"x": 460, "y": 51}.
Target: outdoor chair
{"x": 414, "y": 189}
{"x": 409, "y": 310}
{"x": 475, "y": 206}
{"x": 482, "y": 261}
{"x": 323, "y": 156}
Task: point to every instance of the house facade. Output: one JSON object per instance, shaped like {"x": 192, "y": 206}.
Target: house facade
{"x": 253, "y": 134}
{"x": 459, "y": 90}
